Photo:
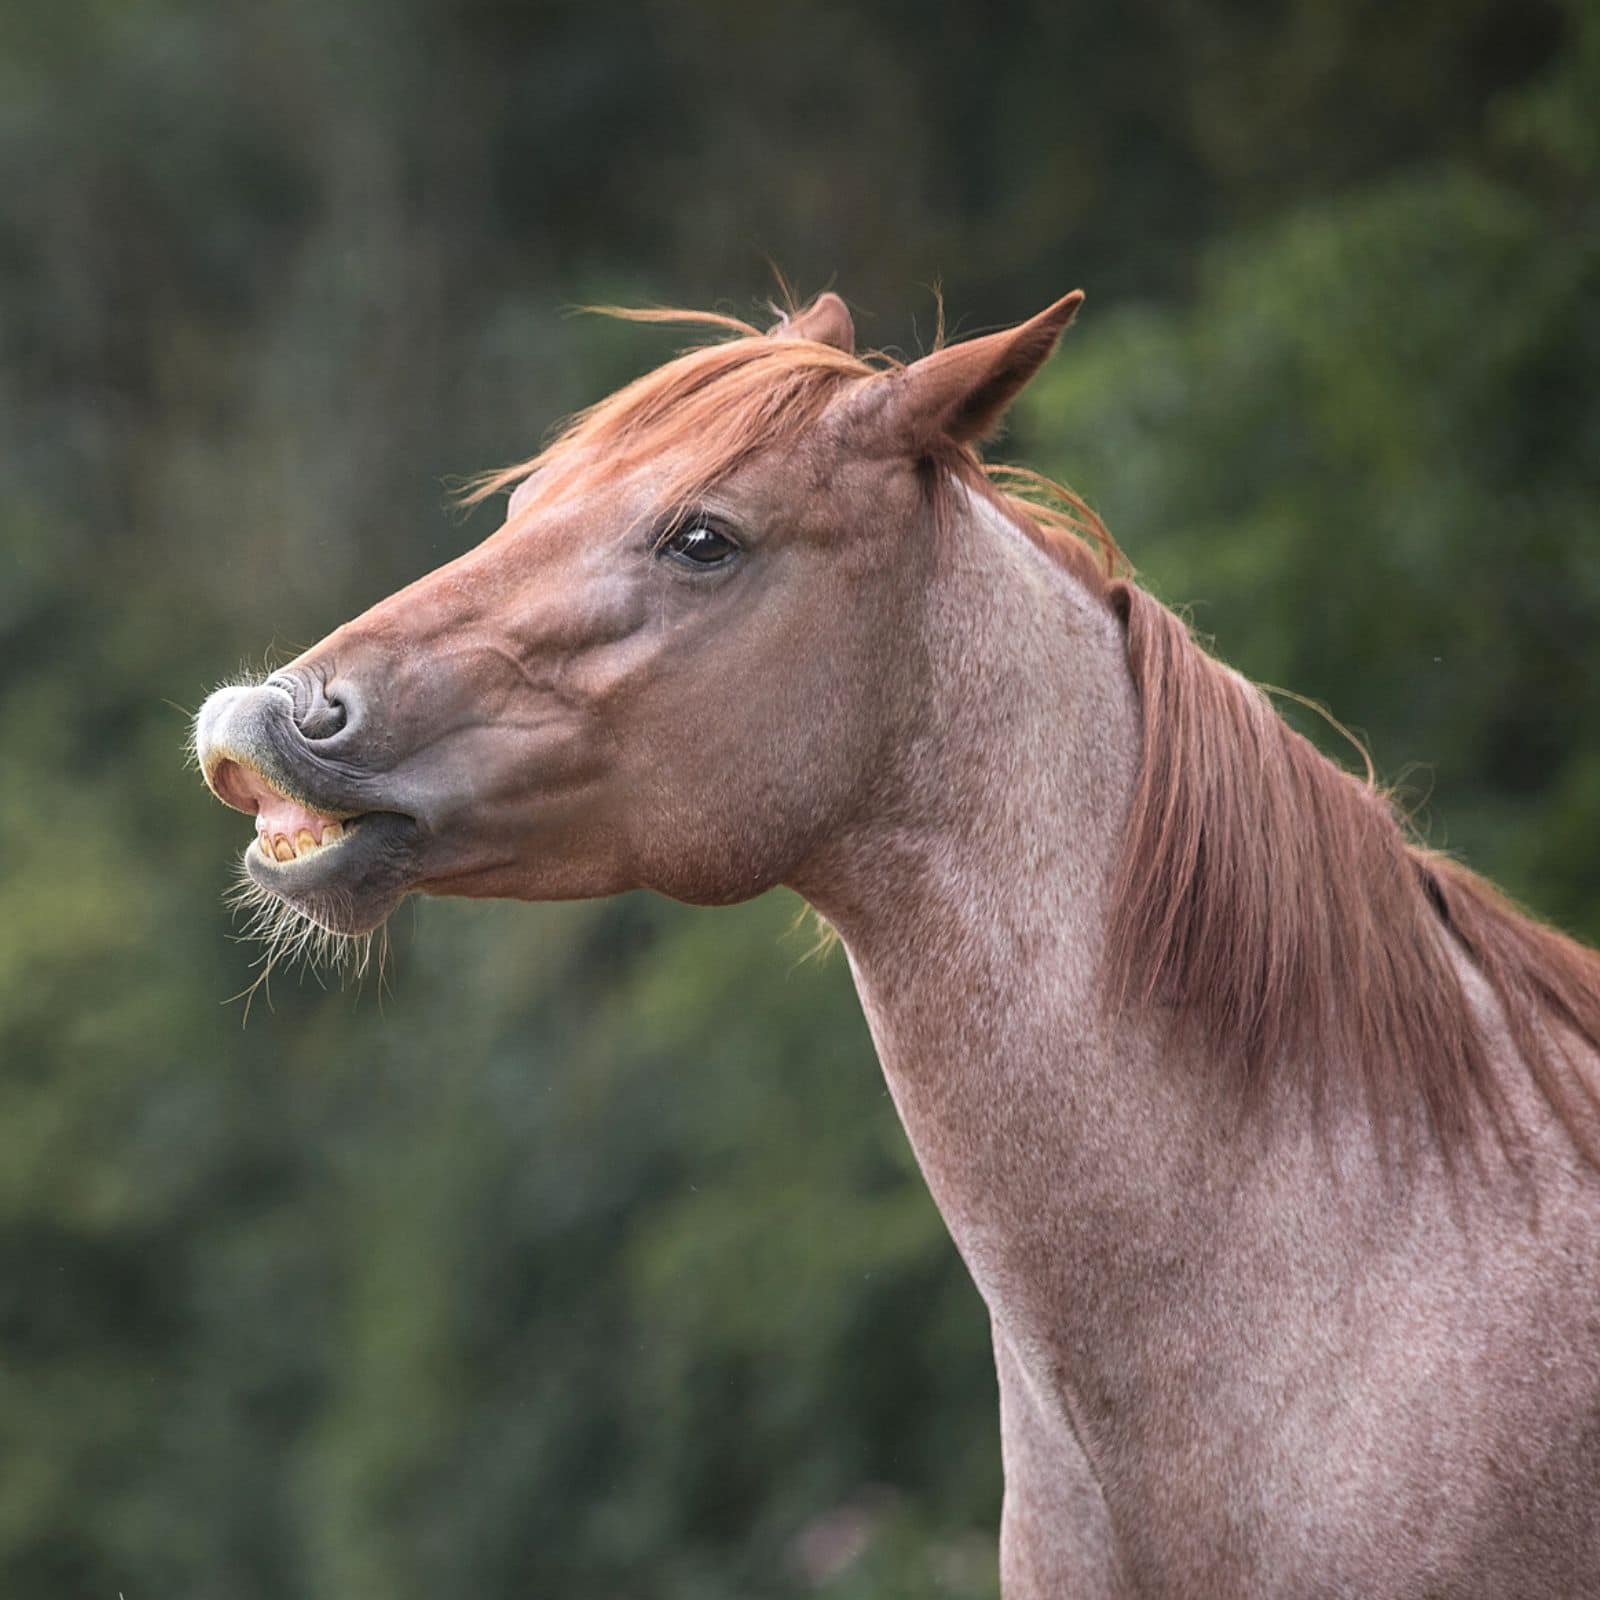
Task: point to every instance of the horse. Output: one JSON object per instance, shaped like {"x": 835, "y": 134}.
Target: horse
{"x": 1268, "y": 1136}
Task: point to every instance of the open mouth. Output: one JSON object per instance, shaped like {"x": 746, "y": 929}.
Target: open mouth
{"x": 345, "y": 870}
{"x": 287, "y": 831}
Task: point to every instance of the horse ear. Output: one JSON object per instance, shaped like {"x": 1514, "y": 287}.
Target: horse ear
{"x": 825, "y": 321}
{"x": 963, "y": 390}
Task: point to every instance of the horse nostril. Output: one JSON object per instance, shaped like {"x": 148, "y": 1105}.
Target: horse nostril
{"x": 318, "y": 714}
{"x": 325, "y": 718}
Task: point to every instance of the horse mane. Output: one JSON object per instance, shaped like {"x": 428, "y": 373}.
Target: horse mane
{"x": 713, "y": 406}
{"x": 1276, "y": 902}
{"x": 1281, "y": 906}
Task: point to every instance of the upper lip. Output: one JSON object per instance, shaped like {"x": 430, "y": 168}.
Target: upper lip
{"x": 226, "y": 775}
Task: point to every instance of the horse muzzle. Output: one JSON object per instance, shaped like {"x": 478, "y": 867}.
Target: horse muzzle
{"x": 328, "y": 838}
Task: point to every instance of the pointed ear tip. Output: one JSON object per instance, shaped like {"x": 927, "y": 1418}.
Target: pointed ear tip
{"x": 1055, "y": 319}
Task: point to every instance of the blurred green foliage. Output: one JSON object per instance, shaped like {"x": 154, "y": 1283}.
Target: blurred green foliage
{"x": 590, "y": 1260}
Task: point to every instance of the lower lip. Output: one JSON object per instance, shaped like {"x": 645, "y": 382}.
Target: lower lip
{"x": 375, "y": 852}
{"x": 351, "y": 885}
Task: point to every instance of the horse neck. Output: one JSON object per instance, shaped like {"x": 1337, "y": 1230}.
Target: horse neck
{"x": 972, "y": 899}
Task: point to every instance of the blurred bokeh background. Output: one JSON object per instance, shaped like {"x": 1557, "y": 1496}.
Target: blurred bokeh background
{"x": 589, "y": 1260}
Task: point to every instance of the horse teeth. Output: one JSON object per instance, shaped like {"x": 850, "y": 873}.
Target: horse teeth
{"x": 302, "y": 842}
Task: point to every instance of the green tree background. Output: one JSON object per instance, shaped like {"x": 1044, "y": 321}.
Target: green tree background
{"x": 590, "y": 1260}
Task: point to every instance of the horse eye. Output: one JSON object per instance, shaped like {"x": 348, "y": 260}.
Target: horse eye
{"x": 698, "y": 545}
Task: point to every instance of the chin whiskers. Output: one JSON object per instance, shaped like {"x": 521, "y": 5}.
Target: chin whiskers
{"x": 294, "y": 939}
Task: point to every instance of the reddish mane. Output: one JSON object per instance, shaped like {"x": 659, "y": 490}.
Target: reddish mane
{"x": 1277, "y": 900}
